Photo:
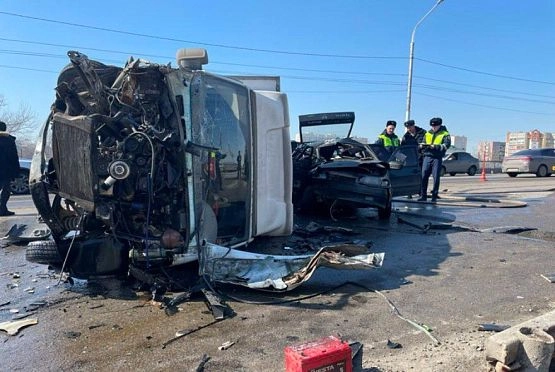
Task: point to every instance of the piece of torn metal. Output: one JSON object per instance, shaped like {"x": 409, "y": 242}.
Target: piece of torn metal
{"x": 254, "y": 270}
{"x": 27, "y": 232}
{"x": 13, "y": 327}
{"x": 492, "y": 327}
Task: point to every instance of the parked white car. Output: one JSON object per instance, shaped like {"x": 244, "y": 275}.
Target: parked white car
{"x": 459, "y": 162}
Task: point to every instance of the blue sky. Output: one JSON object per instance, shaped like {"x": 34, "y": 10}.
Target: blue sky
{"x": 485, "y": 66}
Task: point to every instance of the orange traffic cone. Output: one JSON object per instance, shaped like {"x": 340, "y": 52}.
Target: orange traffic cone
{"x": 483, "y": 175}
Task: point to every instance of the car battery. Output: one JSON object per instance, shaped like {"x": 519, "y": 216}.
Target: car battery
{"x": 328, "y": 354}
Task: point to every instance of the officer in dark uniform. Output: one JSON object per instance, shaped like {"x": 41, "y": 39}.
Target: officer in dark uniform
{"x": 436, "y": 142}
{"x": 388, "y": 138}
{"x": 414, "y": 134}
{"x": 9, "y": 168}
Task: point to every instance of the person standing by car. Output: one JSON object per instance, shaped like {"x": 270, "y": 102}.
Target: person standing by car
{"x": 414, "y": 134}
{"x": 388, "y": 138}
{"x": 436, "y": 142}
{"x": 9, "y": 168}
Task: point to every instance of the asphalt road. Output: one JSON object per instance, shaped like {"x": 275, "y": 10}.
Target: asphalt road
{"x": 469, "y": 267}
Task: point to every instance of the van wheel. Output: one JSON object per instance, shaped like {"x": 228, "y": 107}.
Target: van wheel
{"x": 471, "y": 171}
{"x": 43, "y": 252}
{"x": 542, "y": 171}
{"x": 512, "y": 174}
{"x": 452, "y": 173}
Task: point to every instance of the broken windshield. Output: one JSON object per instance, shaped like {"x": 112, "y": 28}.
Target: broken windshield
{"x": 220, "y": 113}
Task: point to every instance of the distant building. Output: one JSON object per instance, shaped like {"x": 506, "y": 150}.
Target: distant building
{"x": 459, "y": 142}
{"x": 535, "y": 139}
{"x": 360, "y": 139}
{"x": 516, "y": 141}
{"x": 318, "y": 137}
{"x": 491, "y": 151}
{"x": 548, "y": 140}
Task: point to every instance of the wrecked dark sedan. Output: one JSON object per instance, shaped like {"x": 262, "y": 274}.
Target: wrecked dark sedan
{"x": 144, "y": 168}
{"x": 330, "y": 168}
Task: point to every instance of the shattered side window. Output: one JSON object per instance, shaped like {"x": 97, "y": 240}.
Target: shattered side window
{"x": 222, "y": 125}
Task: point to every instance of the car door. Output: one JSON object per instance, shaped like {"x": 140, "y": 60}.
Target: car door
{"x": 464, "y": 162}
{"x": 406, "y": 179}
{"x": 452, "y": 163}
{"x": 549, "y": 156}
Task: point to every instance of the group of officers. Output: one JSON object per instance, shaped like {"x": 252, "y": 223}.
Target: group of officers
{"x": 432, "y": 145}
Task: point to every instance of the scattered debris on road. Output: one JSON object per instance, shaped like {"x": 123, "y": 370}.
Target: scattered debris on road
{"x": 492, "y": 327}
{"x": 12, "y": 327}
{"x": 226, "y": 345}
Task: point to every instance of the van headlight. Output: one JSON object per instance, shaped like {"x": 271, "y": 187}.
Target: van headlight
{"x": 374, "y": 181}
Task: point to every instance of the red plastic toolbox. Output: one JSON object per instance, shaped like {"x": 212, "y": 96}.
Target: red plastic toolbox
{"x": 328, "y": 354}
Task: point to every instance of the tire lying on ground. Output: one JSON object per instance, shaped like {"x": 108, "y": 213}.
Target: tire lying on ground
{"x": 43, "y": 252}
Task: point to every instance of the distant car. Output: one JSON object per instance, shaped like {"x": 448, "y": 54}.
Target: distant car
{"x": 540, "y": 162}
{"x": 329, "y": 167}
{"x": 459, "y": 162}
{"x": 20, "y": 184}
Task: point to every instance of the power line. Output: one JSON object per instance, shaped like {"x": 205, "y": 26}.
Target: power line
{"x": 487, "y": 106}
{"x": 326, "y": 79}
{"x": 483, "y": 87}
{"x": 267, "y": 50}
{"x": 263, "y": 66}
{"x": 28, "y": 69}
{"x": 485, "y": 73}
{"x": 105, "y": 29}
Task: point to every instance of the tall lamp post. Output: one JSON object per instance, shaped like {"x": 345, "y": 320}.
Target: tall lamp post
{"x": 411, "y": 57}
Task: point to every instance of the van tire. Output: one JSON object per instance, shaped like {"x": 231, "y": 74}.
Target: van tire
{"x": 43, "y": 252}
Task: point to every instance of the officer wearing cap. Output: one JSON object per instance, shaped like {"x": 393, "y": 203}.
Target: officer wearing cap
{"x": 436, "y": 142}
{"x": 388, "y": 138}
{"x": 414, "y": 134}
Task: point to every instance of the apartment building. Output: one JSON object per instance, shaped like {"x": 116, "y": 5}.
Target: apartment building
{"x": 491, "y": 151}
{"x": 459, "y": 142}
{"x": 516, "y": 141}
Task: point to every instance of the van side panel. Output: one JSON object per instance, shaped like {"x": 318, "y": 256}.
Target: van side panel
{"x": 273, "y": 170}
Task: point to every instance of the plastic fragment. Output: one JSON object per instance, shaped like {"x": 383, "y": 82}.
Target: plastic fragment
{"x": 12, "y": 327}
{"x": 226, "y": 345}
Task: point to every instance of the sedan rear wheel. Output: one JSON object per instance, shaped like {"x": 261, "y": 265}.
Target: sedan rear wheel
{"x": 542, "y": 171}
{"x": 471, "y": 171}
{"x": 20, "y": 184}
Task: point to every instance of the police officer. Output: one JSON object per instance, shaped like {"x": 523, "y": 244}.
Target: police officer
{"x": 388, "y": 138}
{"x": 436, "y": 142}
{"x": 9, "y": 168}
{"x": 414, "y": 134}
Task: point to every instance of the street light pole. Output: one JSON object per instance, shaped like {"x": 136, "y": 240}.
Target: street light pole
{"x": 411, "y": 57}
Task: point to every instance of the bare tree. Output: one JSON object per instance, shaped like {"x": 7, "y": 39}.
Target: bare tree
{"x": 21, "y": 122}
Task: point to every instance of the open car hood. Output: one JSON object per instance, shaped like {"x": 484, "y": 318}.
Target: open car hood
{"x": 325, "y": 126}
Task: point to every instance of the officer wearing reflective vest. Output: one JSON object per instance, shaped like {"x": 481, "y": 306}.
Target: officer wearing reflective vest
{"x": 436, "y": 142}
{"x": 388, "y": 138}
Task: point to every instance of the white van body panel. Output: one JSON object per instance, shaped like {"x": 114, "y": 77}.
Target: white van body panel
{"x": 273, "y": 170}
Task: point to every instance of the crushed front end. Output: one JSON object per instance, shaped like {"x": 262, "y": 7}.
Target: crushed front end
{"x": 113, "y": 175}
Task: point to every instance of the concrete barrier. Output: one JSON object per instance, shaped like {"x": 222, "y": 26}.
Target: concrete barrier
{"x": 526, "y": 347}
